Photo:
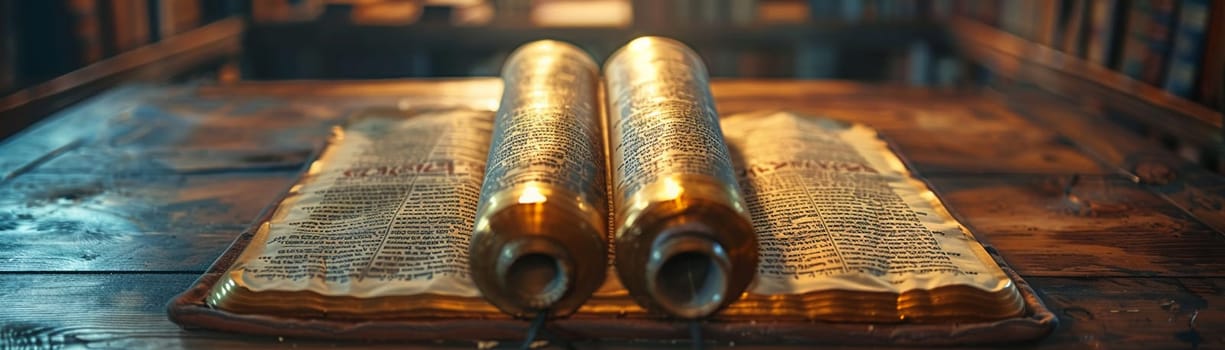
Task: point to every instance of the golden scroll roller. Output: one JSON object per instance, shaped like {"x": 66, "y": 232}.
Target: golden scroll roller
{"x": 540, "y": 239}
{"x": 684, "y": 242}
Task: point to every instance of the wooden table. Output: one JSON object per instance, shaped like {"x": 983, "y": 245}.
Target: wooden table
{"x": 111, "y": 207}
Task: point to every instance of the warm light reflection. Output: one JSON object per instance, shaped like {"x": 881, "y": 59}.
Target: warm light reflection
{"x": 672, "y": 189}
{"x": 531, "y": 195}
{"x": 545, "y": 64}
{"x": 641, "y": 44}
{"x": 586, "y": 13}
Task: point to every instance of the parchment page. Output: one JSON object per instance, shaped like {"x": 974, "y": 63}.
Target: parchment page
{"x": 387, "y": 209}
{"x": 835, "y": 209}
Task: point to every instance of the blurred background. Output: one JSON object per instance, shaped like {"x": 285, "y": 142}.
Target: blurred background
{"x": 1168, "y": 54}
{"x": 1162, "y": 43}
{"x": 360, "y": 39}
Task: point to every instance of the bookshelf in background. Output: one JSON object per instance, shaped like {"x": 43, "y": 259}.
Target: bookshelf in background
{"x": 128, "y": 24}
{"x": 46, "y": 44}
{"x": 876, "y": 40}
{"x": 87, "y": 30}
{"x": 43, "y": 39}
{"x": 1154, "y": 85}
{"x": 879, "y": 40}
{"x": 8, "y": 47}
{"x": 1187, "y": 48}
{"x": 1212, "y": 90}
{"x": 1174, "y": 45}
{"x": 170, "y": 17}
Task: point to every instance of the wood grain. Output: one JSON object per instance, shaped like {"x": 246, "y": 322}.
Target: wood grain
{"x": 210, "y": 129}
{"x": 1188, "y": 186}
{"x": 180, "y": 161}
{"x": 68, "y": 130}
{"x": 110, "y": 208}
{"x": 260, "y": 125}
{"x": 1082, "y": 226}
{"x": 163, "y": 178}
{"x": 127, "y": 311}
{"x": 1004, "y": 152}
{"x": 1064, "y": 74}
{"x": 1136, "y": 313}
{"x": 155, "y": 62}
{"x": 111, "y": 311}
{"x": 467, "y": 90}
{"x": 91, "y": 222}
{"x": 937, "y": 132}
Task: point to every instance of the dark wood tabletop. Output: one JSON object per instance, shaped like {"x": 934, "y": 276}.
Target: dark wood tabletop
{"x": 111, "y": 207}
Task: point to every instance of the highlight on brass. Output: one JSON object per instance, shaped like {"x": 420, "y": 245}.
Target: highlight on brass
{"x": 540, "y": 240}
{"x": 684, "y": 243}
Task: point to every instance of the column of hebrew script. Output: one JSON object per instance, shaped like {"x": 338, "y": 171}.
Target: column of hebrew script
{"x": 390, "y": 213}
{"x": 675, "y": 191}
{"x": 544, "y": 201}
{"x": 834, "y": 209}
{"x": 555, "y": 140}
{"x": 655, "y": 132}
